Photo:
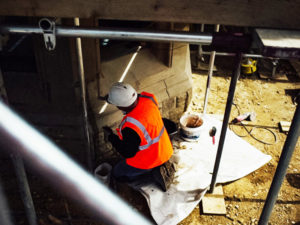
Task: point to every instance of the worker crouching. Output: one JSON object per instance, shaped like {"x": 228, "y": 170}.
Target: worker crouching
{"x": 142, "y": 138}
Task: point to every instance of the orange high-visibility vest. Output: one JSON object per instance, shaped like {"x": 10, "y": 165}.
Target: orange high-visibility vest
{"x": 145, "y": 119}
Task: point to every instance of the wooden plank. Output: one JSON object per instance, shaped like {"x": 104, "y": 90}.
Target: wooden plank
{"x": 214, "y": 203}
{"x": 276, "y": 77}
{"x": 163, "y": 51}
{"x": 91, "y": 52}
{"x": 268, "y": 13}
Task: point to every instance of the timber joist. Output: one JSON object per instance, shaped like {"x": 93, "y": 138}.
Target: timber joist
{"x": 253, "y": 13}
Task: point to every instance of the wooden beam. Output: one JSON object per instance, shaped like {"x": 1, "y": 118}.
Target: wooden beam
{"x": 91, "y": 52}
{"x": 163, "y": 51}
{"x": 255, "y": 13}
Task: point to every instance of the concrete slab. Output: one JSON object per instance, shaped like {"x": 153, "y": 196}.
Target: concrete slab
{"x": 284, "y": 126}
{"x": 214, "y": 203}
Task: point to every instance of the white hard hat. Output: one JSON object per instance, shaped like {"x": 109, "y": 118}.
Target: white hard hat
{"x": 122, "y": 95}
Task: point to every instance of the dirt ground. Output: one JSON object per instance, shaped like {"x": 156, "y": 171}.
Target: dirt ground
{"x": 245, "y": 197}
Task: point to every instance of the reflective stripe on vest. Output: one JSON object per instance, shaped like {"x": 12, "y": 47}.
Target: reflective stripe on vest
{"x": 149, "y": 140}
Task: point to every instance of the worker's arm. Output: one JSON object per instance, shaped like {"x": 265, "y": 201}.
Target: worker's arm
{"x": 129, "y": 146}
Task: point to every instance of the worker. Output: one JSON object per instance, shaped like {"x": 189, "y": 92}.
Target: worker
{"x": 142, "y": 138}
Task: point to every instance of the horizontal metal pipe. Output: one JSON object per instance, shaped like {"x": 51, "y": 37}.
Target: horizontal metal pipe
{"x": 119, "y": 34}
{"x": 233, "y": 54}
{"x": 62, "y": 172}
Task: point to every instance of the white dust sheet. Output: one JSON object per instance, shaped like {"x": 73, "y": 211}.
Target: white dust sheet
{"x": 194, "y": 162}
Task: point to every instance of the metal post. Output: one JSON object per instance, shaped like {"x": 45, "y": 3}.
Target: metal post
{"x": 200, "y": 50}
{"x": 210, "y": 72}
{"x": 62, "y": 172}
{"x": 283, "y": 163}
{"x": 24, "y": 189}
{"x": 118, "y": 34}
{"x": 233, "y": 54}
{"x": 90, "y": 153}
{"x": 4, "y": 211}
{"x": 233, "y": 82}
{"x": 20, "y": 171}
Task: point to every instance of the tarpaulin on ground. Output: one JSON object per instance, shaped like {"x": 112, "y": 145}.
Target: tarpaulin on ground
{"x": 194, "y": 163}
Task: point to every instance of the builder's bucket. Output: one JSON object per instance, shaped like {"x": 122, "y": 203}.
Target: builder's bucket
{"x": 191, "y": 127}
{"x": 102, "y": 172}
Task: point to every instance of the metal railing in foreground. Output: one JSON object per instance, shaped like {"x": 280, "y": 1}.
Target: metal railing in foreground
{"x": 62, "y": 172}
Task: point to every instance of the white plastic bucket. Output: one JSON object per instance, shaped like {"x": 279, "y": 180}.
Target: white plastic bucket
{"x": 191, "y": 127}
{"x": 102, "y": 172}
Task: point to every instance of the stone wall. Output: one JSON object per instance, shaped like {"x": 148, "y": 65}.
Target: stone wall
{"x": 171, "y": 85}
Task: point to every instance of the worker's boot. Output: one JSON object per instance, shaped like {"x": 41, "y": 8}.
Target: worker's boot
{"x": 164, "y": 175}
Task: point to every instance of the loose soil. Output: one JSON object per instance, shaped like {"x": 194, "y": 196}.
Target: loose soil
{"x": 194, "y": 122}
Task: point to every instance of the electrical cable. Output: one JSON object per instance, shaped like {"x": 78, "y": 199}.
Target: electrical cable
{"x": 250, "y": 131}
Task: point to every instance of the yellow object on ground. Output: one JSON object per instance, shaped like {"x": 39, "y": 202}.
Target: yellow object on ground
{"x": 248, "y": 66}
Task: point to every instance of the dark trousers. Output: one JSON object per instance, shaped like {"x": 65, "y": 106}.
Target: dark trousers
{"x": 125, "y": 173}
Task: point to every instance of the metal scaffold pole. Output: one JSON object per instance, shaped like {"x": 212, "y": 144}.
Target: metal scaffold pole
{"x": 4, "y": 210}
{"x": 62, "y": 172}
{"x": 234, "y": 78}
{"x": 24, "y": 189}
{"x": 20, "y": 171}
{"x": 120, "y": 34}
{"x": 90, "y": 152}
{"x": 210, "y": 73}
{"x": 283, "y": 164}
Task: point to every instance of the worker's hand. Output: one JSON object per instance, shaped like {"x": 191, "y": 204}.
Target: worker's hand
{"x": 107, "y": 132}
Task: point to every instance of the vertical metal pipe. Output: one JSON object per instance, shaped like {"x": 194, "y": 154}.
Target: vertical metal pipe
{"x": 24, "y": 189}
{"x": 4, "y": 211}
{"x": 200, "y": 51}
{"x": 210, "y": 72}
{"x": 83, "y": 95}
{"x": 20, "y": 171}
{"x": 283, "y": 164}
{"x": 233, "y": 82}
